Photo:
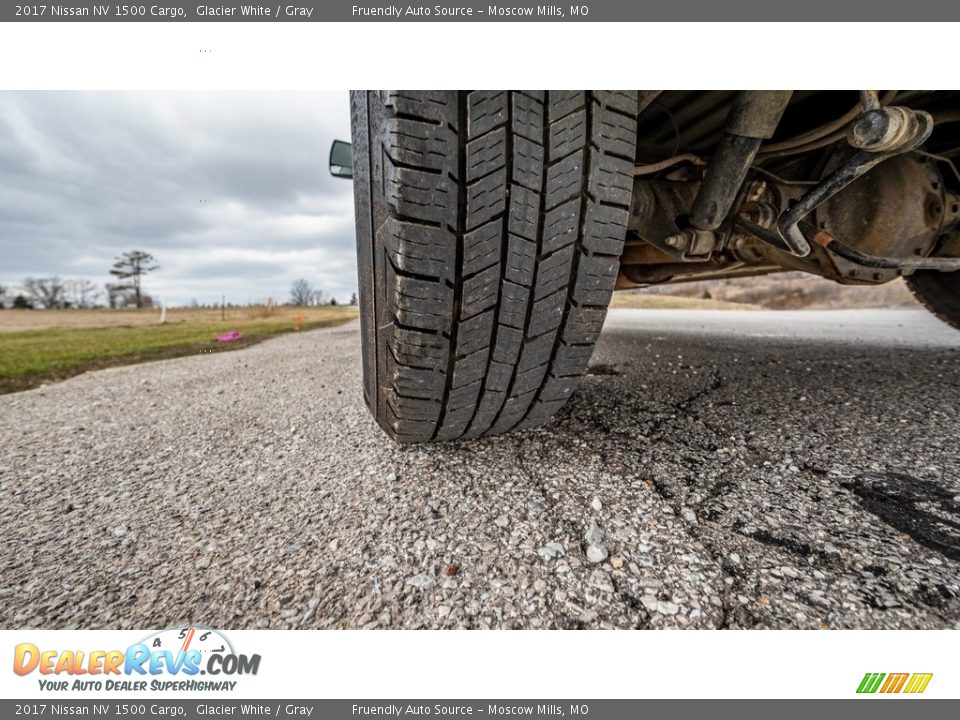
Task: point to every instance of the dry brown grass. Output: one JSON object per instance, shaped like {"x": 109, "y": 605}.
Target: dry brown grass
{"x": 649, "y": 301}
{"x": 20, "y": 320}
{"x": 792, "y": 291}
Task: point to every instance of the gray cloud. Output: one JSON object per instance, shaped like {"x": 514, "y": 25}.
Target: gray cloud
{"x": 229, "y": 190}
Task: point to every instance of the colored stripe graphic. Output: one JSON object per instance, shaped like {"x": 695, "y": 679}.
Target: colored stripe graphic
{"x": 870, "y": 682}
{"x": 894, "y": 683}
{"x": 918, "y": 682}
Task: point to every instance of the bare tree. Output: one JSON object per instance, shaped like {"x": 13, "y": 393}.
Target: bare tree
{"x": 353, "y": 299}
{"x": 129, "y": 299}
{"x": 45, "y": 292}
{"x": 301, "y": 292}
{"x": 132, "y": 266}
{"x": 317, "y": 297}
{"x": 82, "y": 293}
{"x": 114, "y": 295}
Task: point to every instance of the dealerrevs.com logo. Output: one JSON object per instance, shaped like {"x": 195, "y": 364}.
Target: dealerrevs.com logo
{"x": 892, "y": 683}
{"x": 169, "y": 660}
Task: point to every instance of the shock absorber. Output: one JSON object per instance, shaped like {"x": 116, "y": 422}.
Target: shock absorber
{"x": 753, "y": 118}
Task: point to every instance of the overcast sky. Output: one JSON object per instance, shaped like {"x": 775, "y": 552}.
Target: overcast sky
{"x": 229, "y": 191}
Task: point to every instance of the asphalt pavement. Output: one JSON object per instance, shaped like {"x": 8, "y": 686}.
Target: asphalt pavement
{"x": 714, "y": 470}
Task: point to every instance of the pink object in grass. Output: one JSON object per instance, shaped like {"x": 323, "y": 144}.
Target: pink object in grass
{"x": 229, "y": 336}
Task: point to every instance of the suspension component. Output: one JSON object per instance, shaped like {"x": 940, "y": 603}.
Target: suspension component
{"x": 877, "y": 135}
{"x": 753, "y": 119}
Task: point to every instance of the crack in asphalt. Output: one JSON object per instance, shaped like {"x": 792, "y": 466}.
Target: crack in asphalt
{"x": 746, "y": 486}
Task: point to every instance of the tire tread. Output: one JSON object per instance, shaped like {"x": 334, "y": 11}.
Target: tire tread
{"x": 489, "y": 230}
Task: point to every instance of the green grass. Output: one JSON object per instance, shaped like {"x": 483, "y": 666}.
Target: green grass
{"x": 29, "y": 358}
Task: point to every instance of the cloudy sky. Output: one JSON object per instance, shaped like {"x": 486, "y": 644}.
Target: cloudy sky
{"x": 229, "y": 191}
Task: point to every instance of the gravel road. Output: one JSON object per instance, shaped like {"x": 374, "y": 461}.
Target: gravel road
{"x": 737, "y": 469}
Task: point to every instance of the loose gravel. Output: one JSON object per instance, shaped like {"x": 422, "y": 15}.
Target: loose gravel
{"x": 729, "y": 470}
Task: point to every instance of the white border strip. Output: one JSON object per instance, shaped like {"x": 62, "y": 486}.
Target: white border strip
{"x": 547, "y": 665}
{"x": 308, "y": 56}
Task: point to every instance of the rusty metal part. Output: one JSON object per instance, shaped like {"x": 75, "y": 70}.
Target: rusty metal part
{"x": 896, "y": 214}
{"x": 890, "y": 129}
{"x": 890, "y": 218}
{"x": 812, "y": 139}
{"x": 632, "y": 276}
{"x": 870, "y": 100}
{"x": 898, "y": 210}
{"x": 693, "y": 244}
{"x": 656, "y": 207}
{"x": 753, "y": 119}
{"x": 901, "y": 131}
{"x": 745, "y": 247}
{"x": 830, "y": 243}
{"x": 640, "y": 252}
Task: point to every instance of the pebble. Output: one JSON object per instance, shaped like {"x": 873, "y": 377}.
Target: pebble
{"x": 596, "y": 553}
{"x": 594, "y": 535}
{"x": 600, "y": 579}
{"x": 339, "y": 527}
{"x": 420, "y": 581}
{"x": 551, "y": 550}
{"x": 311, "y": 610}
{"x": 667, "y": 608}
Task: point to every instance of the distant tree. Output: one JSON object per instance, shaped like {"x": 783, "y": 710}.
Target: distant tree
{"x": 21, "y": 303}
{"x": 114, "y": 295}
{"x": 353, "y": 299}
{"x": 130, "y": 299}
{"x": 333, "y": 301}
{"x": 3, "y": 293}
{"x": 132, "y": 266}
{"x": 45, "y": 292}
{"x": 82, "y": 293}
{"x": 301, "y": 292}
{"x": 317, "y": 296}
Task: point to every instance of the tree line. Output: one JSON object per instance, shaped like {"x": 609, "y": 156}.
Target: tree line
{"x": 54, "y": 293}
{"x": 304, "y": 294}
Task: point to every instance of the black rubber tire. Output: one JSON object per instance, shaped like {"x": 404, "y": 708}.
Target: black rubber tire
{"x": 490, "y": 226}
{"x": 939, "y": 292}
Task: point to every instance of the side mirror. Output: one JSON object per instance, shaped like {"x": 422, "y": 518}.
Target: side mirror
{"x": 341, "y": 159}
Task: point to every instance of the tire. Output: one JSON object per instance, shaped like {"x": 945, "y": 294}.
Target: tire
{"x": 489, "y": 230}
{"x": 939, "y": 292}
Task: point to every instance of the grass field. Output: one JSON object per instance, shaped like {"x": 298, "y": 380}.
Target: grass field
{"x": 40, "y": 346}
